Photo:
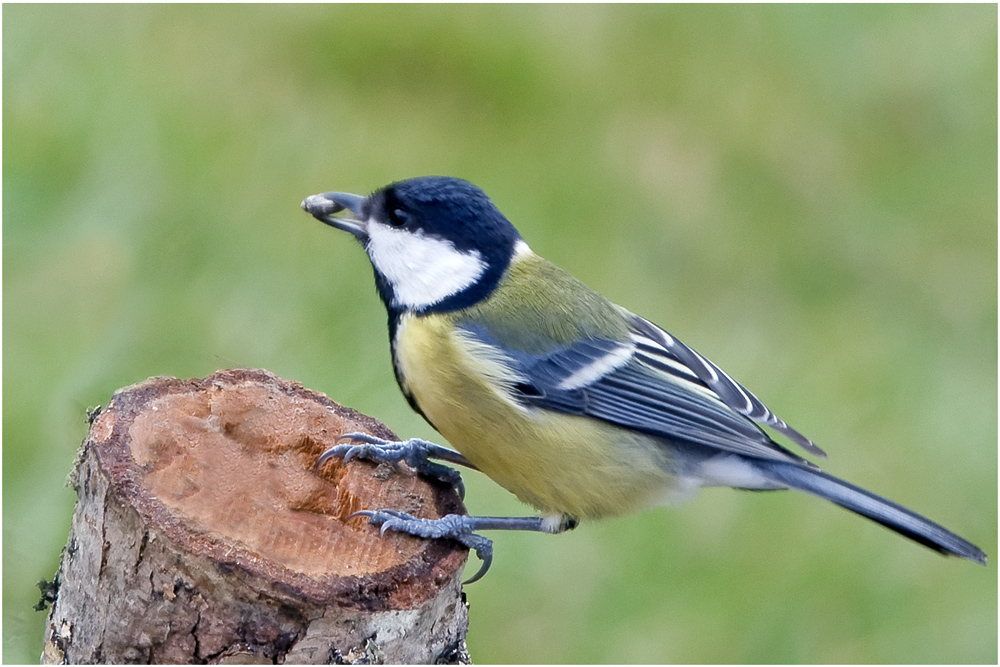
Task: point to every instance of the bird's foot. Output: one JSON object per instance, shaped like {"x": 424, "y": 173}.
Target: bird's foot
{"x": 415, "y": 452}
{"x": 462, "y": 528}
{"x": 458, "y": 527}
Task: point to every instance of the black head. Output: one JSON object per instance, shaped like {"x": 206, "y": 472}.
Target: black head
{"x": 448, "y": 208}
{"x": 436, "y": 243}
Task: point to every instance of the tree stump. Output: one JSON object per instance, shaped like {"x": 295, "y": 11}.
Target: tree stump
{"x": 202, "y": 533}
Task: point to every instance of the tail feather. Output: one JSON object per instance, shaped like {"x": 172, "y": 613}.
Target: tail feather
{"x": 869, "y": 505}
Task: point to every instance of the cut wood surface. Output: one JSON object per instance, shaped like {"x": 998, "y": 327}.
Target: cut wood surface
{"x": 203, "y": 533}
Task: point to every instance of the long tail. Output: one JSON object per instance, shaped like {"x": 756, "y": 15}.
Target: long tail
{"x": 867, "y": 504}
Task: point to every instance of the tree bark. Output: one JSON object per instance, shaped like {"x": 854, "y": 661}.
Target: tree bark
{"x": 203, "y": 534}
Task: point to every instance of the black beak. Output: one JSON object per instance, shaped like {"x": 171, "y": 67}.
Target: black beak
{"x": 324, "y": 207}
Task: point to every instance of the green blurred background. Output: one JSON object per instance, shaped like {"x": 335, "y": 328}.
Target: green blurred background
{"x": 806, "y": 194}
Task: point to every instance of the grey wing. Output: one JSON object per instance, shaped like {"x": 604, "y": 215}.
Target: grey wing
{"x": 638, "y": 385}
{"x": 656, "y": 347}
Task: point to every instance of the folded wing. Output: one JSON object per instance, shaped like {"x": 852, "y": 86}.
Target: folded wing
{"x": 652, "y": 383}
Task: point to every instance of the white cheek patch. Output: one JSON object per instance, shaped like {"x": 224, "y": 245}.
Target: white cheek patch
{"x": 423, "y": 270}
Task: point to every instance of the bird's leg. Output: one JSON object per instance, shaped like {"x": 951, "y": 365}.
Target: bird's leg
{"x": 461, "y": 528}
{"x": 415, "y": 452}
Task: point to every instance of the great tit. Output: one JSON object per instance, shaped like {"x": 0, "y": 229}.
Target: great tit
{"x": 572, "y": 403}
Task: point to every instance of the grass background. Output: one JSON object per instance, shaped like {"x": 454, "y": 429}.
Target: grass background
{"x": 806, "y": 194}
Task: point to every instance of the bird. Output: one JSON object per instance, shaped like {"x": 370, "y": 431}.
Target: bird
{"x": 574, "y": 404}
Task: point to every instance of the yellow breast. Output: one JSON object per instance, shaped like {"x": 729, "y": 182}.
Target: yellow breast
{"x": 555, "y": 462}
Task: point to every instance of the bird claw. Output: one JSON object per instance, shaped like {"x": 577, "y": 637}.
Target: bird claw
{"x": 456, "y": 527}
{"x": 414, "y": 452}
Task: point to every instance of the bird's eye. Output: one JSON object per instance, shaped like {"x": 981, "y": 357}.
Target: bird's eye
{"x": 398, "y": 217}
